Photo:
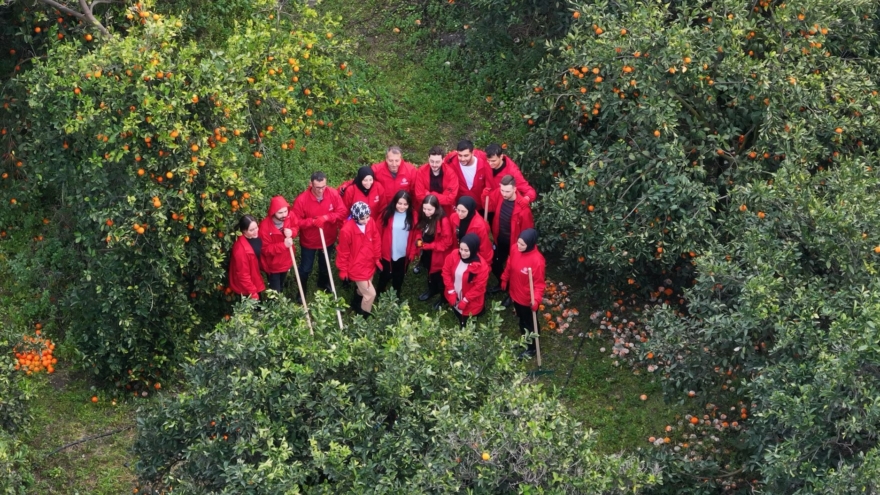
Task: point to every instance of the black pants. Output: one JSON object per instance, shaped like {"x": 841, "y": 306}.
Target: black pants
{"x": 393, "y": 271}
{"x": 435, "y": 283}
{"x": 307, "y": 263}
{"x": 499, "y": 259}
{"x": 276, "y": 281}
{"x": 526, "y": 324}
{"x": 462, "y": 319}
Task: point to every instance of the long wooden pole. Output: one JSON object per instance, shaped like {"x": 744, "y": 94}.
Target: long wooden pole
{"x": 330, "y": 273}
{"x": 535, "y": 317}
{"x": 486, "y": 209}
{"x": 302, "y": 294}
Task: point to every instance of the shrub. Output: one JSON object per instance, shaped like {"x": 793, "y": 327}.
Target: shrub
{"x": 389, "y": 405}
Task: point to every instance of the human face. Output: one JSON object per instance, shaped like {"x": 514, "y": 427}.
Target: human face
{"x": 508, "y": 192}
{"x": 462, "y": 212}
{"x": 465, "y": 157}
{"x": 428, "y": 209}
{"x": 252, "y": 231}
{"x": 318, "y": 187}
{"x": 367, "y": 182}
{"x": 521, "y": 245}
{"x": 402, "y": 205}
{"x": 464, "y": 250}
{"x": 363, "y": 221}
{"x": 393, "y": 160}
{"x": 281, "y": 214}
{"x": 435, "y": 162}
{"x": 495, "y": 161}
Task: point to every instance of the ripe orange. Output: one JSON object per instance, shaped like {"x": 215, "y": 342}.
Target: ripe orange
{"x": 194, "y": 148}
{"x": 694, "y": 420}
{"x": 877, "y": 249}
{"x": 761, "y": 215}
{"x": 94, "y": 398}
{"x": 576, "y": 14}
{"x": 743, "y": 207}
{"x": 643, "y": 397}
{"x": 88, "y": 37}
{"x": 656, "y": 133}
{"x": 486, "y": 456}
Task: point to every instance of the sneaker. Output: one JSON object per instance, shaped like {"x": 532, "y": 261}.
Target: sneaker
{"x": 438, "y": 304}
{"x": 425, "y": 296}
{"x": 417, "y": 269}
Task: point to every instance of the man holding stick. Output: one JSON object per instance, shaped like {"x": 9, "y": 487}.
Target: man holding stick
{"x": 277, "y": 231}
{"x": 511, "y": 214}
{"x": 318, "y": 208}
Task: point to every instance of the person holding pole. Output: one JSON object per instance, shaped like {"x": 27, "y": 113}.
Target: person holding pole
{"x": 398, "y": 240}
{"x": 511, "y": 215}
{"x": 244, "y": 266}
{"x": 434, "y": 237}
{"x": 277, "y": 231}
{"x": 318, "y": 208}
{"x": 523, "y": 277}
{"x": 465, "y": 274}
{"x": 467, "y": 221}
{"x": 358, "y": 257}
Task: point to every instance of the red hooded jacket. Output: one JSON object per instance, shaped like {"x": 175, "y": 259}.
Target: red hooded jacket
{"x": 477, "y": 226}
{"x": 450, "y": 187}
{"x": 520, "y": 220}
{"x": 443, "y": 240}
{"x": 405, "y": 180}
{"x": 274, "y": 256}
{"x": 385, "y": 231}
{"x": 308, "y": 211}
{"x": 244, "y": 270}
{"x": 375, "y": 200}
{"x": 484, "y": 173}
{"x": 357, "y": 256}
{"x": 473, "y": 283}
{"x": 516, "y": 276}
{"x": 510, "y": 168}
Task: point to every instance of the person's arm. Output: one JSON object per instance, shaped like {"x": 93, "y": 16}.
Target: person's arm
{"x": 450, "y": 188}
{"x": 449, "y": 280}
{"x": 377, "y": 246}
{"x": 487, "y": 194}
{"x": 420, "y": 188}
{"x": 299, "y": 211}
{"x": 243, "y": 272}
{"x": 340, "y": 212}
{"x": 528, "y": 220}
{"x": 477, "y": 286}
{"x": 505, "y": 275}
{"x": 343, "y": 253}
{"x": 524, "y": 188}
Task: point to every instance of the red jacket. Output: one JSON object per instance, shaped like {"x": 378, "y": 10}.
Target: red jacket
{"x": 450, "y": 187}
{"x": 244, "y": 270}
{"x": 274, "y": 256}
{"x": 477, "y": 226}
{"x": 386, "y": 232}
{"x": 405, "y": 180}
{"x": 484, "y": 172}
{"x": 520, "y": 220}
{"x": 443, "y": 241}
{"x": 510, "y": 168}
{"x": 357, "y": 255}
{"x": 516, "y": 276}
{"x": 375, "y": 200}
{"x": 473, "y": 284}
{"x": 307, "y": 209}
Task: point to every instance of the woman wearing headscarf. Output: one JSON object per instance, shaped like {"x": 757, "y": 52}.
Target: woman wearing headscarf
{"x": 357, "y": 256}
{"x": 467, "y": 220}
{"x": 244, "y": 266}
{"x": 365, "y": 189}
{"x": 398, "y": 240}
{"x": 465, "y": 274}
{"x": 435, "y": 238}
{"x": 525, "y": 257}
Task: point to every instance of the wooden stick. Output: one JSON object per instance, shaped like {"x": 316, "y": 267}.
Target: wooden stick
{"x": 302, "y": 294}
{"x": 329, "y": 272}
{"x": 486, "y": 209}
{"x": 535, "y": 317}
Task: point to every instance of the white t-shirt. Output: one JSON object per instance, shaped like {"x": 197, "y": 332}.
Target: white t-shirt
{"x": 459, "y": 274}
{"x": 363, "y": 227}
{"x": 469, "y": 172}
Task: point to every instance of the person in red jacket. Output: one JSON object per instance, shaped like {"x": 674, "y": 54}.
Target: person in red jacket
{"x": 358, "y": 256}
{"x": 502, "y": 166}
{"x": 512, "y": 215}
{"x": 244, "y": 266}
{"x": 471, "y": 169}
{"x": 318, "y": 208}
{"x": 524, "y": 257}
{"x": 398, "y": 240}
{"x": 438, "y": 179}
{"x": 394, "y": 174}
{"x": 364, "y": 188}
{"x": 466, "y": 220}
{"x": 465, "y": 274}
{"x": 435, "y": 238}
{"x": 277, "y": 231}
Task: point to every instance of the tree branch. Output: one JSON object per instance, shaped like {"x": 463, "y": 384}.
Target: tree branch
{"x": 86, "y": 14}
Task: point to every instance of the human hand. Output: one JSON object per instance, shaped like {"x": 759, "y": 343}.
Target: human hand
{"x": 288, "y": 233}
{"x": 288, "y": 242}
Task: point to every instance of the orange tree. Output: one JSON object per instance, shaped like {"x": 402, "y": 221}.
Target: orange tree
{"x": 146, "y": 148}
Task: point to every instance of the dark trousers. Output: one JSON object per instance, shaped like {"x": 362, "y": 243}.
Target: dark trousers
{"x": 393, "y": 271}
{"x": 276, "y": 281}
{"x": 524, "y": 313}
{"x": 435, "y": 283}
{"x": 462, "y": 319}
{"x": 307, "y": 263}
{"x": 499, "y": 259}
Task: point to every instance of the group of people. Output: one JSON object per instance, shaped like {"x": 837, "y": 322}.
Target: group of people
{"x": 391, "y": 213}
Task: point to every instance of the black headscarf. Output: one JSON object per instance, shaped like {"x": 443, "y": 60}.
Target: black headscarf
{"x": 530, "y": 237}
{"x": 362, "y": 174}
{"x": 473, "y": 243}
{"x": 471, "y": 205}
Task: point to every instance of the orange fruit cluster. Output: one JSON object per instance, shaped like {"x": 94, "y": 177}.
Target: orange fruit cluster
{"x": 35, "y": 354}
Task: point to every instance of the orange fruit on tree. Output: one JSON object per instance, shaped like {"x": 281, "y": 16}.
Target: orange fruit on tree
{"x": 761, "y": 215}
{"x": 576, "y": 14}
{"x": 94, "y": 398}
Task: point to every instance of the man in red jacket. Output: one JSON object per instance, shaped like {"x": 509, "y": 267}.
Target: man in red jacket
{"x": 395, "y": 174}
{"x": 277, "y": 231}
{"x": 511, "y": 215}
{"x": 318, "y": 207}
{"x": 471, "y": 168}
{"x": 438, "y": 179}
{"x": 502, "y": 165}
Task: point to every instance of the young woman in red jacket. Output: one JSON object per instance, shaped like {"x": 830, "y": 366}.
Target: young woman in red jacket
{"x": 468, "y": 221}
{"x": 357, "y": 256}
{"x": 398, "y": 240}
{"x": 244, "y": 267}
{"x": 465, "y": 274}
{"x": 524, "y": 257}
{"x": 366, "y": 189}
{"x": 434, "y": 236}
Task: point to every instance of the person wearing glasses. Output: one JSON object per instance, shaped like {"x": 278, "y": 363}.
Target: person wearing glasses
{"x": 319, "y": 207}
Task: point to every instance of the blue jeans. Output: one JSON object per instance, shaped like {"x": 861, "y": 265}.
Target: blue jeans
{"x": 307, "y": 263}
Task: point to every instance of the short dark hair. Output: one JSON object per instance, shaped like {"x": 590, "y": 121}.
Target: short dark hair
{"x": 246, "y": 222}
{"x": 494, "y": 149}
{"x": 508, "y": 180}
{"x": 318, "y": 176}
{"x": 436, "y": 150}
{"x": 465, "y": 145}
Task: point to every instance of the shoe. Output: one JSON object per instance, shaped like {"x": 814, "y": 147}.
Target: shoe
{"x": 438, "y": 304}
{"x": 507, "y": 301}
{"x": 417, "y": 269}
{"x": 494, "y": 290}
{"x": 425, "y": 295}
{"x": 526, "y": 354}
{"x": 326, "y": 288}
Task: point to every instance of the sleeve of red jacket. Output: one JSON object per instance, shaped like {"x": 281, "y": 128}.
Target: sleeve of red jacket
{"x": 522, "y": 185}
{"x": 450, "y": 189}
{"x": 539, "y": 281}
{"x": 340, "y": 211}
{"x": 449, "y": 279}
{"x": 299, "y": 212}
{"x": 411, "y": 249}
{"x": 270, "y": 248}
{"x": 420, "y": 189}
{"x": 343, "y": 253}
{"x": 243, "y": 272}
{"x": 477, "y": 287}
{"x": 293, "y": 224}
{"x": 505, "y": 275}
{"x": 528, "y": 221}
{"x": 377, "y": 246}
